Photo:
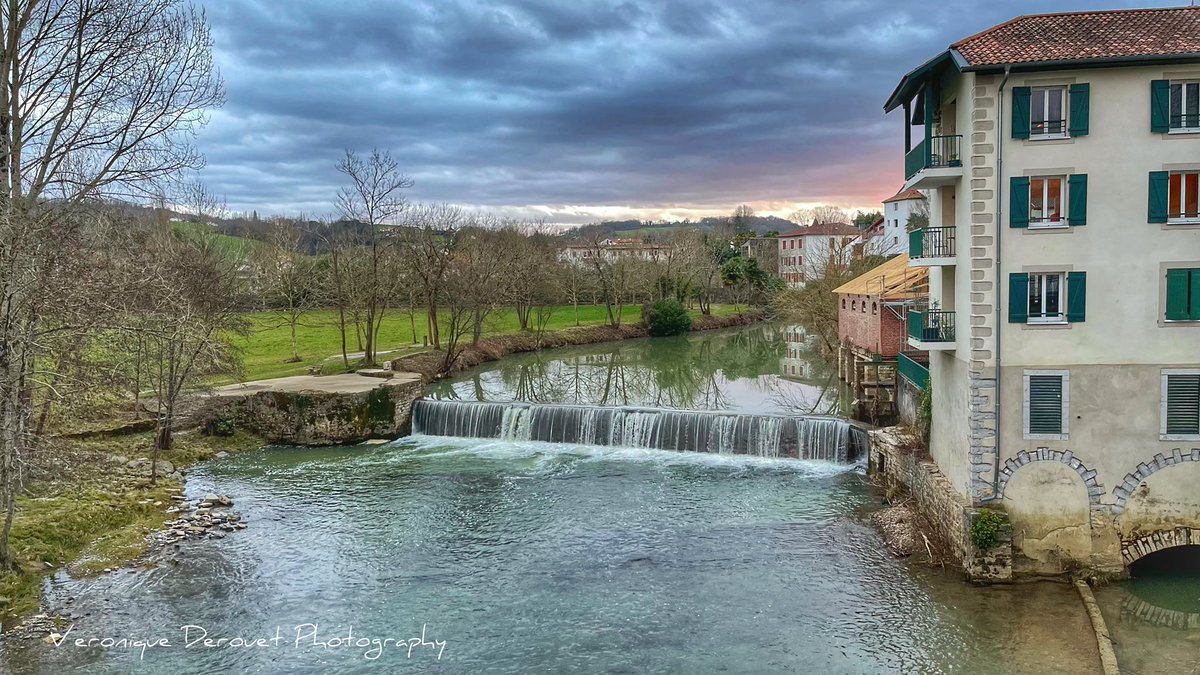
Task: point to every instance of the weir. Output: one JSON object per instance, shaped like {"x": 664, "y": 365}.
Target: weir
{"x": 816, "y": 438}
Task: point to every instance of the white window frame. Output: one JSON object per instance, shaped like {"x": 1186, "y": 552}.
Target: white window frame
{"x": 1066, "y": 406}
{"x": 1182, "y": 196}
{"x": 1185, "y": 84}
{"x": 1162, "y": 397}
{"x": 1061, "y": 318}
{"x": 1065, "y": 101}
{"x": 1043, "y": 223}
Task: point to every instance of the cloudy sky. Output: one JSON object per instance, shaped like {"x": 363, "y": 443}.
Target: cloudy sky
{"x": 577, "y": 110}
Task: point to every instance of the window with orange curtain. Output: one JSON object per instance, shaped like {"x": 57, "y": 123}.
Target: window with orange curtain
{"x": 1183, "y": 196}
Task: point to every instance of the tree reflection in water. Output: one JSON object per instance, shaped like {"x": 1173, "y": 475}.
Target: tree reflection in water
{"x": 740, "y": 369}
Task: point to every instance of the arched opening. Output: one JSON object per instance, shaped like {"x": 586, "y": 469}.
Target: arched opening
{"x": 1168, "y": 579}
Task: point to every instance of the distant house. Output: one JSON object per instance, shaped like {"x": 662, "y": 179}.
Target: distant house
{"x": 893, "y": 234}
{"x": 805, "y": 253}
{"x": 764, "y": 250}
{"x": 611, "y": 250}
{"x": 872, "y": 314}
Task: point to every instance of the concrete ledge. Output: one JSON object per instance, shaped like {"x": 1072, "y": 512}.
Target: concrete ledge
{"x": 1108, "y": 656}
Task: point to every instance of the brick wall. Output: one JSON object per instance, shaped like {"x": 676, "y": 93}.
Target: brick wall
{"x": 877, "y": 330}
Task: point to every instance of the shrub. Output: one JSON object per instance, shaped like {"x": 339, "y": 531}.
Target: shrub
{"x": 666, "y": 317}
{"x": 985, "y": 532}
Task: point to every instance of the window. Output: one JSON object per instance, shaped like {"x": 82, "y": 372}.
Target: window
{"x": 1180, "y": 405}
{"x": 874, "y": 308}
{"x": 1047, "y": 298}
{"x": 864, "y": 306}
{"x": 1047, "y": 394}
{"x": 1183, "y": 206}
{"x": 843, "y": 303}
{"x": 1047, "y": 118}
{"x": 1046, "y": 202}
{"x": 853, "y": 305}
{"x": 1183, "y": 294}
{"x": 1185, "y": 107}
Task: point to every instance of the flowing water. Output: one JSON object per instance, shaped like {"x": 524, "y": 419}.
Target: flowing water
{"x": 519, "y": 556}
{"x": 773, "y": 436}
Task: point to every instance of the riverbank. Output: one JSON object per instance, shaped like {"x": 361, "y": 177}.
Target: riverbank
{"x": 90, "y": 507}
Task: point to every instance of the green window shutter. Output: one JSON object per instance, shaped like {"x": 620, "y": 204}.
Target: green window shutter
{"x": 1080, "y": 109}
{"x": 1157, "y": 207}
{"x": 1194, "y": 302}
{"x": 1183, "y": 404}
{"x": 1018, "y": 297}
{"x": 1018, "y": 201}
{"x": 1076, "y": 296}
{"x": 1077, "y": 199}
{"x": 1020, "y": 112}
{"x": 1177, "y": 294}
{"x": 916, "y": 243}
{"x": 1045, "y": 404}
{"x": 1160, "y": 106}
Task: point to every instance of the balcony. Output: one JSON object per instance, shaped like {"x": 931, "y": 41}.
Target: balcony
{"x": 931, "y": 330}
{"x": 931, "y": 247}
{"x": 934, "y": 162}
{"x": 911, "y": 369}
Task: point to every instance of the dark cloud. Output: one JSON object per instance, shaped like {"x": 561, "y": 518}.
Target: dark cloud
{"x": 575, "y": 109}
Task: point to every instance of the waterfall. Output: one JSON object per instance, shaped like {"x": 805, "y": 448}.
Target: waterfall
{"x": 815, "y": 438}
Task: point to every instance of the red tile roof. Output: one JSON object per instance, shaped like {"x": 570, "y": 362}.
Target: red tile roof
{"x": 1085, "y": 36}
{"x": 823, "y": 230}
{"x": 904, "y": 196}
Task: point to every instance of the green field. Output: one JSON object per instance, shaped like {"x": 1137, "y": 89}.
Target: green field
{"x": 266, "y": 350}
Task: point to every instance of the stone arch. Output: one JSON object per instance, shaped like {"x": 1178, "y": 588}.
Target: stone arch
{"x": 1144, "y": 470}
{"x": 1094, "y": 489}
{"x": 1133, "y": 550}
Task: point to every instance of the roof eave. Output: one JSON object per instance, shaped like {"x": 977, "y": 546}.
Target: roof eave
{"x": 910, "y": 83}
{"x": 1100, "y": 62}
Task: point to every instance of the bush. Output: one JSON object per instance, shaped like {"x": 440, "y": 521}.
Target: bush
{"x": 985, "y": 532}
{"x": 666, "y": 317}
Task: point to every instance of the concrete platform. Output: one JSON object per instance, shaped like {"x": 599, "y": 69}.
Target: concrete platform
{"x": 348, "y": 383}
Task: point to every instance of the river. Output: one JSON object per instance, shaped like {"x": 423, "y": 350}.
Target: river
{"x": 519, "y": 557}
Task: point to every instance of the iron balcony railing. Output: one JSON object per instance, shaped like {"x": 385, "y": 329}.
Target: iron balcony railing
{"x": 931, "y": 242}
{"x": 931, "y": 325}
{"x": 1185, "y": 121}
{"x": 938, "y": 151}
{"x": 912, "y": 370}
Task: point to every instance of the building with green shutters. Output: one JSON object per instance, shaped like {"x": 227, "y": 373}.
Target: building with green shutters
{"x": 1061, "y": 155}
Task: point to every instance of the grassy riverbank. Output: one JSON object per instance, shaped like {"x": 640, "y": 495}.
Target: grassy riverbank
{"x": 84, "y": 511}
{"x": 268, "y": 347}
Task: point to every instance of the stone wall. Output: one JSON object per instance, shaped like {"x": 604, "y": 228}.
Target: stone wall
{"x": 949, "y": 513}
{"x": 315, "y": 418}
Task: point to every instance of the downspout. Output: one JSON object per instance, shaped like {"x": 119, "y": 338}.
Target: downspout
{"x": 999, "y": 276}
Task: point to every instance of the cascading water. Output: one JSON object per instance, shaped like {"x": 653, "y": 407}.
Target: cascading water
{"x": 817, "y": 438}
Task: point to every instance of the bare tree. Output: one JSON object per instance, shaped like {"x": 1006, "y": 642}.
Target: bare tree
{"x": 375, "y": 197}
{"x": 100, "y": 99}
{"x": 290, "y": 280}
{"x": 427, "y": 240}
{"x": 820, "y": 214}
{"x": 189, "y": 303}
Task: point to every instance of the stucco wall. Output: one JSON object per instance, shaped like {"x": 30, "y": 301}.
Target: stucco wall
{"x": 950, "y": 432}
{"x": 1121, "y": 253}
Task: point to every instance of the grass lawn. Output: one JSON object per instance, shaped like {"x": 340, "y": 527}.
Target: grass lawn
{"x": 268, "y": 347}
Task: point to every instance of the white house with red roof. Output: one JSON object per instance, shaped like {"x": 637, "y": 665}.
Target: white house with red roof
{"x": 805, "y": 253}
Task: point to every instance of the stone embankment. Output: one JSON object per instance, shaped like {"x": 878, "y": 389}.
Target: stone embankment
{"x": 315, "y": 411}
{"x": 948, "y": 517}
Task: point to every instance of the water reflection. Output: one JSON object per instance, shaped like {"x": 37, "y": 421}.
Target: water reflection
{"x": 757, "y": 369}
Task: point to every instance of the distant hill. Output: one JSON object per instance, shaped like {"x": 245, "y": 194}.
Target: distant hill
{"x": 661, "y": 230}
